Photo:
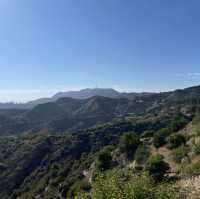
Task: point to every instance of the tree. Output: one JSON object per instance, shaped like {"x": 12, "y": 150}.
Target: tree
{"x": 157, "y": 167}
{"x": 104, "y": 160}
{"x": 175, "y": 141}
{"x": 129, "y": 142}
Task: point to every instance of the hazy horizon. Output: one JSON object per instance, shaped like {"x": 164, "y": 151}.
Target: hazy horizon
{"x": 23, "y": 96}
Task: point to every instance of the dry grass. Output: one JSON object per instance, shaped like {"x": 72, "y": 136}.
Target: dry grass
{"x": 191, "y": 187}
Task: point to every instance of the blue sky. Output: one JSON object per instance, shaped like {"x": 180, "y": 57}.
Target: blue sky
{"x": 134, "y": 45}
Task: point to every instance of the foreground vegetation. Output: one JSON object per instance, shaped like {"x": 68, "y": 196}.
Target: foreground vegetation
{"x": 119, "y": 183}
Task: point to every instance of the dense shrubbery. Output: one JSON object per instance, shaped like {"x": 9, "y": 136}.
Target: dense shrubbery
{"x": 157, "y": 167}
{"x": 104, "y": 160}
{"x": 178, "y": 122}
{"x": 159, "y": 138}
{"x": 118, "y": 184}
{"x": 77, "y": 187}
{"x": 129, "y": 143}
{"x": 141, "y": 154}
{"x": 147, "y": 134}
{"x": 175, "y": 141}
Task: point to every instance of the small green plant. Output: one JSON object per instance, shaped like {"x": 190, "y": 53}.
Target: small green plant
{"x": 157, "y": 167}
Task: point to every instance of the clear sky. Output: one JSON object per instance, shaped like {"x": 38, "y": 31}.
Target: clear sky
{"x": 135, "y": 45}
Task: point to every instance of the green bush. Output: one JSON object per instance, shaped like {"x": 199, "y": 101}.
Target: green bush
{"x": 78, "y": 187}
{"x": 196, "y": 119}
{"x": 129, "y": 142}
{"x": 147, "y": 134}
{"x": 159, "y": 138}
{"x": 141, "y": 154}
{"x": 104, "y": 160}
{"x": 178, "y": 122}
{"x": 157, "y": 167}
{"x": 175, "y": 141}
{"x": 179, "y": 153}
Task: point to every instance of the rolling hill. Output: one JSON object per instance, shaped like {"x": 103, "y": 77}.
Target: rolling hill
{"x": 68, "y": 114}
{"x": 82, "y": 94}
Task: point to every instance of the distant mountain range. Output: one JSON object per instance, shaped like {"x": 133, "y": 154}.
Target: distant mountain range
{"x": 82, "y": 94}
{"x": 60, "y": 113}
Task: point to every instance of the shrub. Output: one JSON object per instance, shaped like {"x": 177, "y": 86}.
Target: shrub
{"x": 147, "y": 134}
{"x": 157, "y": 167}
{"x": 78, "y": 187}
{"x": 129, "y": 143}
{"x": 179, "y": 122}
{"x": 179, "y": 153}
{"x": 104, "y": 160}
{"x": 195, "y": 168}
{"x": 142, "y": 154}
{"x": 196, "y": 119}
{"x": 175, "y": 141}
{"x": 159, "y": 138}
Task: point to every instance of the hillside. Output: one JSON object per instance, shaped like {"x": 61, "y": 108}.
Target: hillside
{"x": 31, "y": 163}
{"x": 57, "y": 149}
{"x": 82, "y": 94}
{"x": 51, "y": 166}
{"x": 68, "y": 114}
{"x": 167, "y": 168}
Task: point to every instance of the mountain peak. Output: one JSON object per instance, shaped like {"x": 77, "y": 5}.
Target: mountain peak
{"x": 88, "y": 93}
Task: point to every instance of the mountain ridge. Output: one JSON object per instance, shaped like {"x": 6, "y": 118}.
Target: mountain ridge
{"x": 68, "y": 114}
{"x": 82, "y": 94}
